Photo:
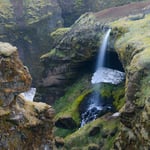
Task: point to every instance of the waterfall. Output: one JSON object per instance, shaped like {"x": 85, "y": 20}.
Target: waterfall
{"x": 102, "y": 51}
{"x": 95, "y": 105}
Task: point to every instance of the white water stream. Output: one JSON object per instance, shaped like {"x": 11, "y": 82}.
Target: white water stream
{"x": 95, "y": 105}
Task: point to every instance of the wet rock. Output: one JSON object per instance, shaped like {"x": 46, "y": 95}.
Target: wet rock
{"x": 75, "y": 50}
{"x": 66, "y": 123}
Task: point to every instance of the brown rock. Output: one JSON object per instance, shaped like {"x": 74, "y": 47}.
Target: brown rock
{"x": 14, "y": 77}
{"x": 23, "y": 124}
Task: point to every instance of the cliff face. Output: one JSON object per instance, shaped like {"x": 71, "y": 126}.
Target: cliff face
{"x": 75, "y": 47}
{"x": 23, "y": 124}
{"x": 72, "y": 52}
{"x": 134, "y": 50}
{"x": 130, "y": 39}
{"x": 27, "y": 24}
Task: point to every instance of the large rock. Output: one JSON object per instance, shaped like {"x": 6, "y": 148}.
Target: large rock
{"x": 23, "y": 124}
{"x": 134, "y": 50}
{"x": 14, "y": 77}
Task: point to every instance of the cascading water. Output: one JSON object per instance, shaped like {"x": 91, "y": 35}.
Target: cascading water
{"x": 102, "y": 51}
{"x": 95, "y": 105}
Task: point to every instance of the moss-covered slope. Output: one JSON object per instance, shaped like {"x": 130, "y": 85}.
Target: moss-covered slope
{"x": 133, "y": 47}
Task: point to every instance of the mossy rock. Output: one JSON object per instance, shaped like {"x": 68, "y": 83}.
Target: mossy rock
{"x": 133, "y": 49}
{"x": 116, "y": 92}
{"x": 81, "y": 138}
{"x": 67, "y": 108}
{"x": 71, "y": 113}
{"x": 59, "y": 33}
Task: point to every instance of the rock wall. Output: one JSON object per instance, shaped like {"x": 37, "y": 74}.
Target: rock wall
{"x": 131, "y": 38}
{"x": 24, "y": 125}
{"x": 133, "y": 47}
{"x": 27, "y": 24}
{"x": 75, "y": 47}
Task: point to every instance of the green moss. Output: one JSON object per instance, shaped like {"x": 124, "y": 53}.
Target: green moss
{"x": 68, "y": 104}
{"x": 134, "y": 50}
{"x": 117, "y": 93}
{"x": 49, "y": 54}
{"x": 81, "y": 138}
{"x": 143, "y": 93}
{"x": 119, "y": 96}
{"x": 72, "y": 92}
{"x": 106, "y": 90}
{"x": 53, "y": 52}
{"x": 59, "y": 32}
{"x": 72, "y": 109}
{"x": 62, "y": 132}
{"x": 6, "y": 9}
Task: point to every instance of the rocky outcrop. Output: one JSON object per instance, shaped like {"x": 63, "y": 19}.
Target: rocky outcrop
{"x": 14, "y": 77}
{"x": 133, "y": 47}
{"x": 23, "y": 124}
{"x": 75, "y": 48}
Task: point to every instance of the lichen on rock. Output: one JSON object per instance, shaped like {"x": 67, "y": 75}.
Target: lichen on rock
{"x": 14, "y": 77}
{"x": 23, "y": 124}
{"x": 133, "y": 48}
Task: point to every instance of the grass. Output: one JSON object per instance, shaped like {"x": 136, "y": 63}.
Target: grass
{"x": 135, "y": 47}
{"x": 81, "y": 138}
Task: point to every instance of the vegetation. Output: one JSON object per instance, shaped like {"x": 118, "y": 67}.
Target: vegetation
{"x": 136, "y": 45}
{"x": 68, "y": 105}
{"x": 82, "y": 139}
{"x": 59, "y": 32}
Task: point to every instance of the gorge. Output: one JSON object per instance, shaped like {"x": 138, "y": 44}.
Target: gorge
{"x": 60, "y": 48}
